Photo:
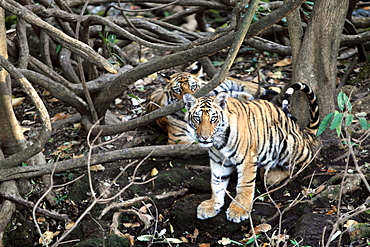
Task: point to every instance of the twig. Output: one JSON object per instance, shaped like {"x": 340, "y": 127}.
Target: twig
{"x": 39, "y": 210}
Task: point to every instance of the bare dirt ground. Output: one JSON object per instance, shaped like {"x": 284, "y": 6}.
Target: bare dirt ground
{"x": 302, "y": 213}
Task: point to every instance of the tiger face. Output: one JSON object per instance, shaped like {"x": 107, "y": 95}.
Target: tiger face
{"x": 206, "y": 118}
{"x": 181, "y": 83}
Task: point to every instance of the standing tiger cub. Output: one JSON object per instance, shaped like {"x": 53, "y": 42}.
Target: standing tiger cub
{"x": 246, "y": 136}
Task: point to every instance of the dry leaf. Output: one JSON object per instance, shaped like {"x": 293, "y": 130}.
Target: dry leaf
{"x": 69, "y": 225}
{"x": 224, "y": 241}
{"x": 284, "y": 62}
{"x": 262, "y": 228}
{"x": 204, "y": 245}
{"x": 17, "y": 101}
{"x": 331, "y": 170}
{"x": 144, "y": 209}
{"x": 52, "y": 100}
{"x": 59, "y": 116}
{"x": 193, "y": 236}
{"x": 276, "y": 75}
{"x": 41, "y": 220}
{"x": 281, "y": 237}
{"x": 45, "y": 92}
{"x": 97, "y": 168}
{"x": 65, "y": 147}
{"x": 48, "y": 237}
{"x": 320, "y": 188}
{"x": 154, "y": 172}
{"x": 77, "y": 126}
{"x": 350, "y": 223}
{"x": 78, "y": 156}
{"x": 276, "y": 89}
{"x": 183, "y": 239}
{"x": 131, "y": 225}
{"x": 127, "y": 225}
{"x": 131, "y": 239}
{"x": 332, "y": 210}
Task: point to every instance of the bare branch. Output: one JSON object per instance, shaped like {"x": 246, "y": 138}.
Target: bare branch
{"x": 75, "y": 45}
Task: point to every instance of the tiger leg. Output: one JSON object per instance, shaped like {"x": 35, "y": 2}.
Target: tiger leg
{"x": 239, "y": 208}
{"x": 219, "y": 180}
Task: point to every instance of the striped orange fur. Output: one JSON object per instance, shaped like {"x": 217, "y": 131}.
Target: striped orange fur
{"x": 244, "y": 136}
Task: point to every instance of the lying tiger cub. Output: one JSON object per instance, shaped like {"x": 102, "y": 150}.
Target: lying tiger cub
{"x": 189, "y": 82}
{"x": 244, "y": 136}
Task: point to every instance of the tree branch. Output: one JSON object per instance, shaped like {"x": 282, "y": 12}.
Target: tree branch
{"x": 184, "y": 151}
{"x": 38, "y": 146}
{"x": 74, "y": 45}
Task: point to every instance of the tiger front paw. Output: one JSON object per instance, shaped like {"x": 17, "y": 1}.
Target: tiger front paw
{"x": 208, "y": 209}
{"x": 237, "y": 213}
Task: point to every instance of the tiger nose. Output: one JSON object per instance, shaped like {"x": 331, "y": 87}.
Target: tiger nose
{"x": 205, "y": 137}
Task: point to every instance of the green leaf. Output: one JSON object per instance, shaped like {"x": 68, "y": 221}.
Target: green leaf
{"x": 133, "y": 96}
{"x": 336, "y": 120}
{"x": 162, "y": 232}
{"x": 145, "y": 237}
{"x": 24, "y": 164}
{"x": 218, "y": 63}
{"x": 349, "y": 106}
{"x": 111, "y": 38}
{"x": 325, "y": 123}
{"x": 184, "y": 110}
{"x": 173, "y": 240}
{"x": 363, "y": 123}
{"x": 58, "y": 49}
{"x": 235, "y": 242}
{"x": 349, "y": 119}
{"x": 341, "y": 101}
{"x": 251, "y": 240}
{"x": 338, "y": 130}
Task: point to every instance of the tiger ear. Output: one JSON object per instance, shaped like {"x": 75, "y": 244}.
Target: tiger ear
{"x": 189, "y": 100}
{"x": 162, "y": 77}
{"x": 197, "y": 69}
{"x": 221, "y": 99}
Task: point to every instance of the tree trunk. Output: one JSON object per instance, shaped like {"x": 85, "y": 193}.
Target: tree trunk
{"x": 316, "y": 61}
{"x": 11, "y": 137}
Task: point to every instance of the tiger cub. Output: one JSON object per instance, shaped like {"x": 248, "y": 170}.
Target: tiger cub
{"x": 189, "y": 82}
{"x": 246, "y": 136}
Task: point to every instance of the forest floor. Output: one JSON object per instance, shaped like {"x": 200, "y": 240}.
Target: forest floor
{"x": 301, "y": 213}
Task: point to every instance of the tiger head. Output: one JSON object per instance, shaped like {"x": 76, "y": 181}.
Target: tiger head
{"x": 206, "y": 118}
{"x": 184, "y": 82}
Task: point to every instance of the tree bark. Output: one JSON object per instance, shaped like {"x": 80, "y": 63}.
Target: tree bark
{"x": 11, "y": 137}
{"x": 316, "y": 62}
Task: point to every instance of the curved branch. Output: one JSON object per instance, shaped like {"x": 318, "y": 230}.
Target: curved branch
{"x": 208, "y": 4}
{"x": 38, "y": 146}
{"x": 355, "y": 39}
{"x": 57, "y": 90}
{"x": 74, "y": 45}
{"x": 269, "y": 46}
